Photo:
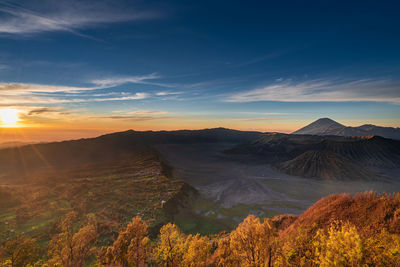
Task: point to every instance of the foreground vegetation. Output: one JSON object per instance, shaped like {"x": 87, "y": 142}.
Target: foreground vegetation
{"x": 136, "y": 186}
{"x": 319, "y": 237}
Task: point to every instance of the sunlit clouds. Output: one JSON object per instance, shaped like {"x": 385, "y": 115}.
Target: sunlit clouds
{"x": 109, "y": 65}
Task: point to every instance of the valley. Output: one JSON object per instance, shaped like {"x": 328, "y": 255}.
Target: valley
{"x": 203, "y": 181}
{"x": 233, "y": 186}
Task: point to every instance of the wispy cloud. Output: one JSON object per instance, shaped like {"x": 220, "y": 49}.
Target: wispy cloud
{"x": 263, "y": 113}
{"x": 140, "y": 115}
{"x": 20, "y": 88}
{"x": 33, "y": 100}
{"x": 168, "y": 93}
{"x": 119, "y": 80}
{"x": 147, "y": 112}
{"x": 26, "y": 88}
{"x": 136, "y": 96}
{"x": 381, "y": 90}
{"x": 46, "y": 110}
{"x": 255, "y": 119}
{"x": 30, "y": 17}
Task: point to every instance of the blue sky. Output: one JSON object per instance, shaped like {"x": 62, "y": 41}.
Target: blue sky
{"x": 264, "y": 65}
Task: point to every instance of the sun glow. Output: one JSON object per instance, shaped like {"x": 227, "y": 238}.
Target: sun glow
{"x": 9, "y": 117}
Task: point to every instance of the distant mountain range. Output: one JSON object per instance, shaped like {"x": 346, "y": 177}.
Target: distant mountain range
{"x": 23, "y": 161}
{"x": 13, "y": 144}
{"x": 324, "y": 157}
{"x": 326, "y": 126}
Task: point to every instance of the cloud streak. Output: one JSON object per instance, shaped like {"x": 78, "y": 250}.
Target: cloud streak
{"x": 32, "y": 100}
{"x": 120, "y": 80}
{"x": 322, "y": 91}
{"x": 96, "y": 85}
{"x": 32, "y": 17}
{"x": 140, "y": 115}
{"x": 46, "y": 110}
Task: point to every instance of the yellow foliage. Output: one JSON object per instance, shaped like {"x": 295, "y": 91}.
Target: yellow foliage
{"x": 295, "y": 250}
{"x": 252, "y": 242}
{"x": 132, "y": 247}
{"x": 223, "y": 254}
{"x": 170, "y": 247}
{"x": 382, "y": 249}
{"x": 340, "y": 246}
{"x": 19, "y": 252}
{"x": 197, "y": 251}
{"x": 70, "y": 248}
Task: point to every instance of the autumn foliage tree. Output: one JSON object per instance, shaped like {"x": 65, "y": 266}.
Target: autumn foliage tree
{"x": 174, "y": 248}
{"x": 382, "y": 249}
{"x": 72, "y": 246}
{"x": 311, "y": 240}
{"x": 252, "y": 243}
{"x": 19, "y": 252}
{"x": 132, "y": 247}
{"x": 340, "y": 246}
{"x": 197, "y": 251}
{"x": 295, "y": 249}
{"x": 170, "y": 247}
{"x": 223, "y": 255}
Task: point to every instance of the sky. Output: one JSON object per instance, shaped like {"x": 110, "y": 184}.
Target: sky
{"x": 73, "y": 69}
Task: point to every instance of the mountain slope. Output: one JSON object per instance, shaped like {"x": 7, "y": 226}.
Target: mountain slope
{"x": 341, "y": 156}
{"x": 116, "y": 147}
{"x": 323, "y": 126}
{"x": 324, "y": 165}
{"x": 327, "y": 126}
{"x": 367, "y": 211}
{"x": 387, "y": 132}
{"x": 373, "y": 151}
{"x": 277, "y": 147}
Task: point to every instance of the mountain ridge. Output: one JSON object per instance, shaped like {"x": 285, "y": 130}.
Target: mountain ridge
{"x": 327, "y": 165}
{"x": 327, "y": 126}
{"x": 288, "y": 153}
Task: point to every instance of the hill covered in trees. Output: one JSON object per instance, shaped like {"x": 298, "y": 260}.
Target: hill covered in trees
{"x": 108, "y": 195}
{"x": 339, "y": 230}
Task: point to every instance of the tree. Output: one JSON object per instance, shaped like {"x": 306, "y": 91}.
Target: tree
{"x": 71, "y": 248}
{"x": 223, "y": 255}
{"x": 382, "y": 249}
{"x": 340, "y": 246}
{"x": 252, "y": 242}
{"x": 20, "y": 252}
{"x": 132, "y": 247}
{"x": 197, "y": 250}
{"x": 171, "y": 246}
{"x": 295, "y": 249}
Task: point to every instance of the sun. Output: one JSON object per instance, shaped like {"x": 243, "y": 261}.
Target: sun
{"x": 9, "y": 117}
